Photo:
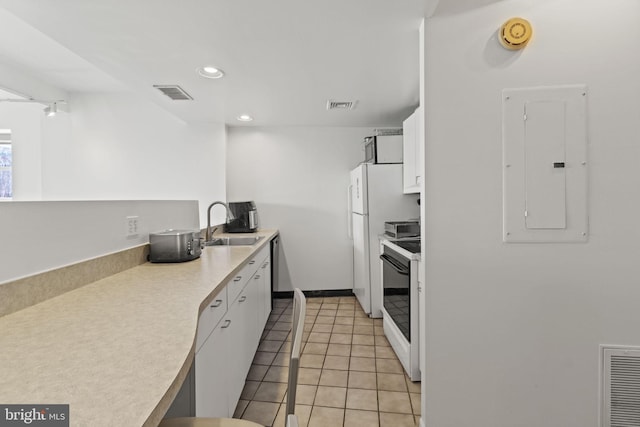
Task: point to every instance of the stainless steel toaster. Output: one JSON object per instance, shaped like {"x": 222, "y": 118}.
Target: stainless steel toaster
{"x": 400, "y": 229}
{"x": 175, "y": 245}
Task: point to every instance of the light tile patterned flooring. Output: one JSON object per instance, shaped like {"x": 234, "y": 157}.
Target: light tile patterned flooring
{"x": 349, "y": 375}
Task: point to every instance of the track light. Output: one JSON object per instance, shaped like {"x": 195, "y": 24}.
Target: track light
{"x": 50, "y": 110}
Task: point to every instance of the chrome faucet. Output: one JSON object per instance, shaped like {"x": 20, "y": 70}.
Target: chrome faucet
{"x": 230, "y": 217}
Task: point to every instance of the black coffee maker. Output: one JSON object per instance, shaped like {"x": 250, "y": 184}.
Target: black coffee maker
{"x": 245, "y": 218}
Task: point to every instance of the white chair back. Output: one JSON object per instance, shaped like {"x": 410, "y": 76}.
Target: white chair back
{"x": 292, "y": 421}
{"x": 299, "y": 313}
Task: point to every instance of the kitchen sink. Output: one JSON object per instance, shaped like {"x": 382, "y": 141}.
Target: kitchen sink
{"x": 234, "y": 241}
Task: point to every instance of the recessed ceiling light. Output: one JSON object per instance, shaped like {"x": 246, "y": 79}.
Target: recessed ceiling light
{"x": 244, "y": 118}
{"x": 210, "y": 72}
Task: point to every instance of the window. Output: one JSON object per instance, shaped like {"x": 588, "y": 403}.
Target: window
{"x": 6, "y": 186}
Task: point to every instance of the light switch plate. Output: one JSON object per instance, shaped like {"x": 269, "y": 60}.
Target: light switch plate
{"x": 132, "y": 226}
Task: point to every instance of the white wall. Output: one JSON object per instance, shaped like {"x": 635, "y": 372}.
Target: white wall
{"x": 513, "y": 330}
{"x": 298, "y": 178}
{"x": 39, "y": 236}
{"x": 117, "y": 146}
{"x": 25, "y": 122}
{"x": 107, "y": 147}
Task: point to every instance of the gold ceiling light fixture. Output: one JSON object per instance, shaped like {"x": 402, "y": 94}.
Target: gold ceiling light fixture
{"x": 515, "y": 33}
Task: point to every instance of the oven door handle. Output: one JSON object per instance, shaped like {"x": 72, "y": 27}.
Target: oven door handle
{"x": 401, "y": 269}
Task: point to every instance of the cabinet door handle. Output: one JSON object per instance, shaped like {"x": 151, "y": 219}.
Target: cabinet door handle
{"x": 226, "y": 324}
{"x": 237, "y": 279}
{"x": 217, "y": 303}
{"x": 253, "y": 261}
{"x": 242, "y": 299}
{"x": 257, "y": 277}
{"x": 265, "y": 265}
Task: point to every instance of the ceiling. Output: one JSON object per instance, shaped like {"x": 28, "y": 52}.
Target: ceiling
{"x": 283, "y": 59}
{"x": 452, "y": 7}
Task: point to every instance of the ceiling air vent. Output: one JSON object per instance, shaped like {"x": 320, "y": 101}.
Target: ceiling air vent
{"x": 174, "y": 92}
{"x": 341, "y": 105}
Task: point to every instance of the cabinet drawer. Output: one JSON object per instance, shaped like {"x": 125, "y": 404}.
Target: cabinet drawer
{"x": 238, "y": 283}
{"x": 235, "y": 285}
{"x": 263, "y": 254}
{"x": 210, "y": 317}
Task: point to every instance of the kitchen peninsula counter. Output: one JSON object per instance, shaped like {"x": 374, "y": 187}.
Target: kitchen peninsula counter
{"x": 116, "y": 350}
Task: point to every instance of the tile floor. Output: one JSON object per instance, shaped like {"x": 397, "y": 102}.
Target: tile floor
{"x": 349, "y": 375}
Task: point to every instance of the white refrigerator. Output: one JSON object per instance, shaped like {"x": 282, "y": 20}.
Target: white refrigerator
{"x": 375, "y": 196}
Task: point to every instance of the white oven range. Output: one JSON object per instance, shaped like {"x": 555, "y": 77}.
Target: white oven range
{"x": 399, "y": 272}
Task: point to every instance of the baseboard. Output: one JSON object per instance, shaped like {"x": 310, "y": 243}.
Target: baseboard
{"x": 316, "y": 294}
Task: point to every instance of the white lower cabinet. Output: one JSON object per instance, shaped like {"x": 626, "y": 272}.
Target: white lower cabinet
{"x": 266, "y": 290}
{"x": 242, "y": 344}
{"x": 251, "y": 325}
{"x": 223, "y": 358}
{"x": 263, "y": 284}
{"x": 211, "y": 372}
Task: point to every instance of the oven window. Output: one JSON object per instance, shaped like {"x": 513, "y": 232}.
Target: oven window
{"x": 396, "y": 278}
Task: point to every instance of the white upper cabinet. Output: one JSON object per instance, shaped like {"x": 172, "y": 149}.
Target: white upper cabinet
{"x": 413, "y": 143}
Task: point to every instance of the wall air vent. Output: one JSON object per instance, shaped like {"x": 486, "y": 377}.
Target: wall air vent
{"x": 341, "y": 105}
{"x": 621, "y": 386}
{"x": 174, "y": 92}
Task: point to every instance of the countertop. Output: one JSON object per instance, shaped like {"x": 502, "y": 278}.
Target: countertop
{"x": 116, "y": 350}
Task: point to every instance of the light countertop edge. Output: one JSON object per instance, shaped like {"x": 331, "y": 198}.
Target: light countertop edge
{"x": 116, "y": 350}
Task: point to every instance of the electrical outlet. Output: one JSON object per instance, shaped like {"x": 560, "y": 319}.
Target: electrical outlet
{"x": 132, "y": 226}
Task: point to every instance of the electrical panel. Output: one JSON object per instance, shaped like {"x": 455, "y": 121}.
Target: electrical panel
{"x": 545, "y": 169}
